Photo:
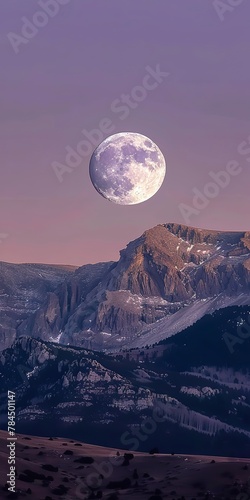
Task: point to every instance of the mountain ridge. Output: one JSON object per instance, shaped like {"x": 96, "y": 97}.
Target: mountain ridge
{"x": 168, "y": 268}
{"x": 200, "y": 386}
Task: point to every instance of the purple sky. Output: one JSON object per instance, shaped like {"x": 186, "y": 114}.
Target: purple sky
{"x": 65, "y": 80}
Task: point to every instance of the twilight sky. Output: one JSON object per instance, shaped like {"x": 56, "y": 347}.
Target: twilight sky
{"x": 65, "y": 78}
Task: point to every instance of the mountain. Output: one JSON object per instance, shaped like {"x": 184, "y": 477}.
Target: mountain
{"x": 200, "y": 388}
{"x": 164, "y": 281}
{"x": 22, "y": 291}
{"x": 50, "y": 320}
{"x": 172, "y": 271}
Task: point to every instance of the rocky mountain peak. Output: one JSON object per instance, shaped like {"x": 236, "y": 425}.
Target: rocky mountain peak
{"x": 156, "y": 244}
{"x": 196, "y": 235}
{"x": 170, "y": 267}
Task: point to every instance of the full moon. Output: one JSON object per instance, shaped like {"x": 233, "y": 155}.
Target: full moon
{"x": 127, "y": 168}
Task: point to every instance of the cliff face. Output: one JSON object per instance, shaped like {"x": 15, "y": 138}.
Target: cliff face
{"x": 175, "y": 262}
{"x": 50, "y": 319}
{"x": 169, "y": 268}
{"x": 23, "y": 288}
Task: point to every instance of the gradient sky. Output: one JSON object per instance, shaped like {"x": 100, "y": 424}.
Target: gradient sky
{"x": 65, "y": 79}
